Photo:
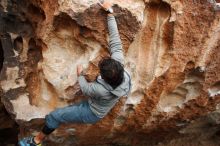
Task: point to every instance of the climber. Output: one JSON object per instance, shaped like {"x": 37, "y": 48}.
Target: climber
{"x": 112, "y": 83}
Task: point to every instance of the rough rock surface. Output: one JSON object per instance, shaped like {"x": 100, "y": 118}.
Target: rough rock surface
{"x": 172, "y": 51}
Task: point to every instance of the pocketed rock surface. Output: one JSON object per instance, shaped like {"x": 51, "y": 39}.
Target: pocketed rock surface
{"x": 171, "y": 50}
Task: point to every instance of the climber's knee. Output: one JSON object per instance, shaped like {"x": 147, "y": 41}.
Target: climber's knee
{"x": 54, "y": 119}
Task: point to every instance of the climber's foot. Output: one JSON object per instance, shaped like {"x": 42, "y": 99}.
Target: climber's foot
{"x": 28, "y": 141}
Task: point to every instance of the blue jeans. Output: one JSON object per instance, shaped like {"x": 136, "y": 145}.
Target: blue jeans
{"x": 76, "y": 113}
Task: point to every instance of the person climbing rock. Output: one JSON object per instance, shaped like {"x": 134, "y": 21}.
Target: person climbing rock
{"x": 112, "y": 83}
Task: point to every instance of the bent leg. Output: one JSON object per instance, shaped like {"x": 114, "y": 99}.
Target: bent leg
{"x": 79, "y": 113}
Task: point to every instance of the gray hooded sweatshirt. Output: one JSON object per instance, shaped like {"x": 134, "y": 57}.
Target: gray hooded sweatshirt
{"x": 102, "y": 96}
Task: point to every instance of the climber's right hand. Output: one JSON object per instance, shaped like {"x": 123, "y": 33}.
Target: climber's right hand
{"x": 106, "y": 5}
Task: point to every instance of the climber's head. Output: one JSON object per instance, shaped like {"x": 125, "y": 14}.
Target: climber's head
{"x": 111, "y": 71}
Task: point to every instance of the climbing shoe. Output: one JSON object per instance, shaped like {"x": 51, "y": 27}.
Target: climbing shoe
{"x": 28, "y": 141}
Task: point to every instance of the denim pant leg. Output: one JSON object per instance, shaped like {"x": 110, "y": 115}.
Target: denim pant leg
{"x": 78, "y": 113}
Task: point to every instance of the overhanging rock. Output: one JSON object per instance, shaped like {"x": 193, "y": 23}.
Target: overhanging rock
{"x": 171, "y": 50}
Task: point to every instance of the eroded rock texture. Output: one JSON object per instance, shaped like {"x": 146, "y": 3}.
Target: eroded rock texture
{"x": 172, "y": 52}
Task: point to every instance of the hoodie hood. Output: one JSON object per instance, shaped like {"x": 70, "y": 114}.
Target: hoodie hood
{"x": 122, "y": 90}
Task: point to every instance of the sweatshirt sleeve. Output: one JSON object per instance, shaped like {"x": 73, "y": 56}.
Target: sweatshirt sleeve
{"x": 115, "y": 45}
{"x": 88, "y": 89}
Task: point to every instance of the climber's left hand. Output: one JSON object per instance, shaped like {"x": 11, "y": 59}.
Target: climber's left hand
{"x": 79, "y": 69}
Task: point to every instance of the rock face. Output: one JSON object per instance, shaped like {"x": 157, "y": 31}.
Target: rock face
{"x": 171, "y": 49}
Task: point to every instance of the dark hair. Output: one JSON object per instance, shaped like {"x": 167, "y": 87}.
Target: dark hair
{"x": 111, "y": 71}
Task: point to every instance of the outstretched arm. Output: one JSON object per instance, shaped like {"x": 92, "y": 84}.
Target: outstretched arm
{"x": 115, "y": 49}
{"x": 115, "y": 45}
